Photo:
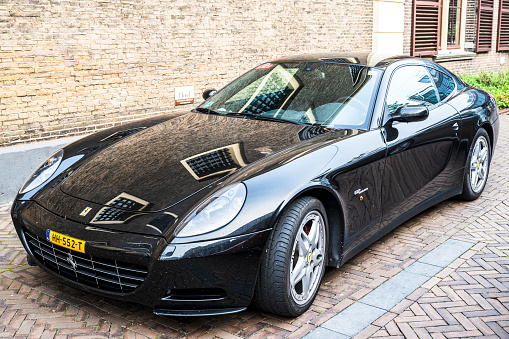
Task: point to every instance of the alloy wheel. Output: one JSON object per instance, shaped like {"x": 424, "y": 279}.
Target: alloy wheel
{"x": 307, "y": 258}
{"x": 479, "y": 163}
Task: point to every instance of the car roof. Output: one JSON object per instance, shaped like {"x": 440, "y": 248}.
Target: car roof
{"x": 358, "y": 58}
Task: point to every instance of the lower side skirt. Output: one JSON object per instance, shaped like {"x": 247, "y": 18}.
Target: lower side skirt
{"x": 451, "y": 192}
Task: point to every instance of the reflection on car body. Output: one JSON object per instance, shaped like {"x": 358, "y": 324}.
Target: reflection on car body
{"x": 299, "y": 164}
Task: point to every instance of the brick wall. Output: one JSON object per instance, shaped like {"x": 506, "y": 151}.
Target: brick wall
{"x": 488, "y": 61}
{"x": 70, "y": 67}
{"x": 407, "y": 35}
{"x": 471, "y": 25}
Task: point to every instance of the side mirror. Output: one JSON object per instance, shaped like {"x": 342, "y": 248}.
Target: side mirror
{"x": 208, "y": 93}
{"x": 409, "y": 114}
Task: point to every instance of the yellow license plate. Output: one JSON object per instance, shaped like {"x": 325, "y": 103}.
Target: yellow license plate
{"x": 65, "y": 241}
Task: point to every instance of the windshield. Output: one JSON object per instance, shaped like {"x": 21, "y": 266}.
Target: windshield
{"x": 315, "y": 93}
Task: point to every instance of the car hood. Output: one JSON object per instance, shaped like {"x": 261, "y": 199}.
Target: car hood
{"x": 166, "y": 163}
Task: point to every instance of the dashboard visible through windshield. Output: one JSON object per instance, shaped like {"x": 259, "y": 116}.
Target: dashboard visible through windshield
{"x": 314, "y": 93}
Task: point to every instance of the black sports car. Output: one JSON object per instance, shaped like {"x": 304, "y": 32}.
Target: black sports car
{"x": 298, "y": 164}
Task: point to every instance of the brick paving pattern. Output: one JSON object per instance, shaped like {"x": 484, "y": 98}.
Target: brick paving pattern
{"x": 469, "y": 298}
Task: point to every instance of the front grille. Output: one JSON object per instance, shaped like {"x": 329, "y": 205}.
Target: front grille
{"x": 93, "y": 271}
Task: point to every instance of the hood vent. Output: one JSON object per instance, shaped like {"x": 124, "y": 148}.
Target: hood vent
{"x": 167, "y": 163}
{"x": 214, "y": 162}
{"x": 119, "y": 210}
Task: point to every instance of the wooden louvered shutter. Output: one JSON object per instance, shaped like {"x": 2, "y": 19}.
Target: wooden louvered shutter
{"x": 503, "y": 27}
{"x": 484, "y": 25}
{"x": 425, "y": 27}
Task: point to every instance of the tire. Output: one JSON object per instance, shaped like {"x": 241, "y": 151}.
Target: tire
{"x": 477, "y": 166}
{"x": 295, "y": 252}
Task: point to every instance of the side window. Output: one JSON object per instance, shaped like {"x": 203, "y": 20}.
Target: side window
{"x": 411, "y": 85}
{"x": 445, "y": 84}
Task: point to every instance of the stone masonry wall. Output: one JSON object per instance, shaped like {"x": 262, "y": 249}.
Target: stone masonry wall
{"x": 71, "y": 67}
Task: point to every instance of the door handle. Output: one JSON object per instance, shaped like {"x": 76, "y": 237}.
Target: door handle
{"x": 455, "y": 127}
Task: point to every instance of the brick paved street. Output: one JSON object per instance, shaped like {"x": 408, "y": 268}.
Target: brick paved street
{"x": 469, "y": 298}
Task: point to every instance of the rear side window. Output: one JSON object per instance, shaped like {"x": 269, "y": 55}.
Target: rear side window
{"x": 445, "y": 84}
{"x": 411, "y": 85}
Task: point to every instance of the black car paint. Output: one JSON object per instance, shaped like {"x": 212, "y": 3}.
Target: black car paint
{"x": 219, "y": 263}
{"x": 332, "y": 165}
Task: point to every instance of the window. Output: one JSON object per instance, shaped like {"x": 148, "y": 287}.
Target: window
{"x": 439, "y": 26}
{"x": 411, "y": 85}
{"x": 444, "y": 83}
{"x": 454, "y": 24}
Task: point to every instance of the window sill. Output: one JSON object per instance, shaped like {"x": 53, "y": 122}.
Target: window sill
{"x": 454, "y": 56}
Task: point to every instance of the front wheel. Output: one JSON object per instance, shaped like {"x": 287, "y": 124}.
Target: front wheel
{"x": 294, "y": 258}
{"x": 477, "y": 167}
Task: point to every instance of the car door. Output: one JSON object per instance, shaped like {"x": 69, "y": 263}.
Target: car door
{"x": 357, "y": 175}
{"x": 420, "y": 154}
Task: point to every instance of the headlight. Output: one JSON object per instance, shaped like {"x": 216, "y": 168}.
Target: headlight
{"x": 43, "y": 172}
{"x": 215, "y": 212}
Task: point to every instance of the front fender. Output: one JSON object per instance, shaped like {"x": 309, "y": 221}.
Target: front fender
{"x": 269, "y": 192}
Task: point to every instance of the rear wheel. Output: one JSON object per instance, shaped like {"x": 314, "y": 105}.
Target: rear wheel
{"x": 293, "y": 261}
{"x": 477, "y": 167}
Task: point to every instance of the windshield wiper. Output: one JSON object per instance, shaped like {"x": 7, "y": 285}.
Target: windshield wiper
{"x": 251, "y": 116}
{"x": 207, "y": 110}
{"x": 267, "y": 118}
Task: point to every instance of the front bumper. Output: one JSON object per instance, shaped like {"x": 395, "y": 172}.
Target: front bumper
{"x": 210, "y": 277}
